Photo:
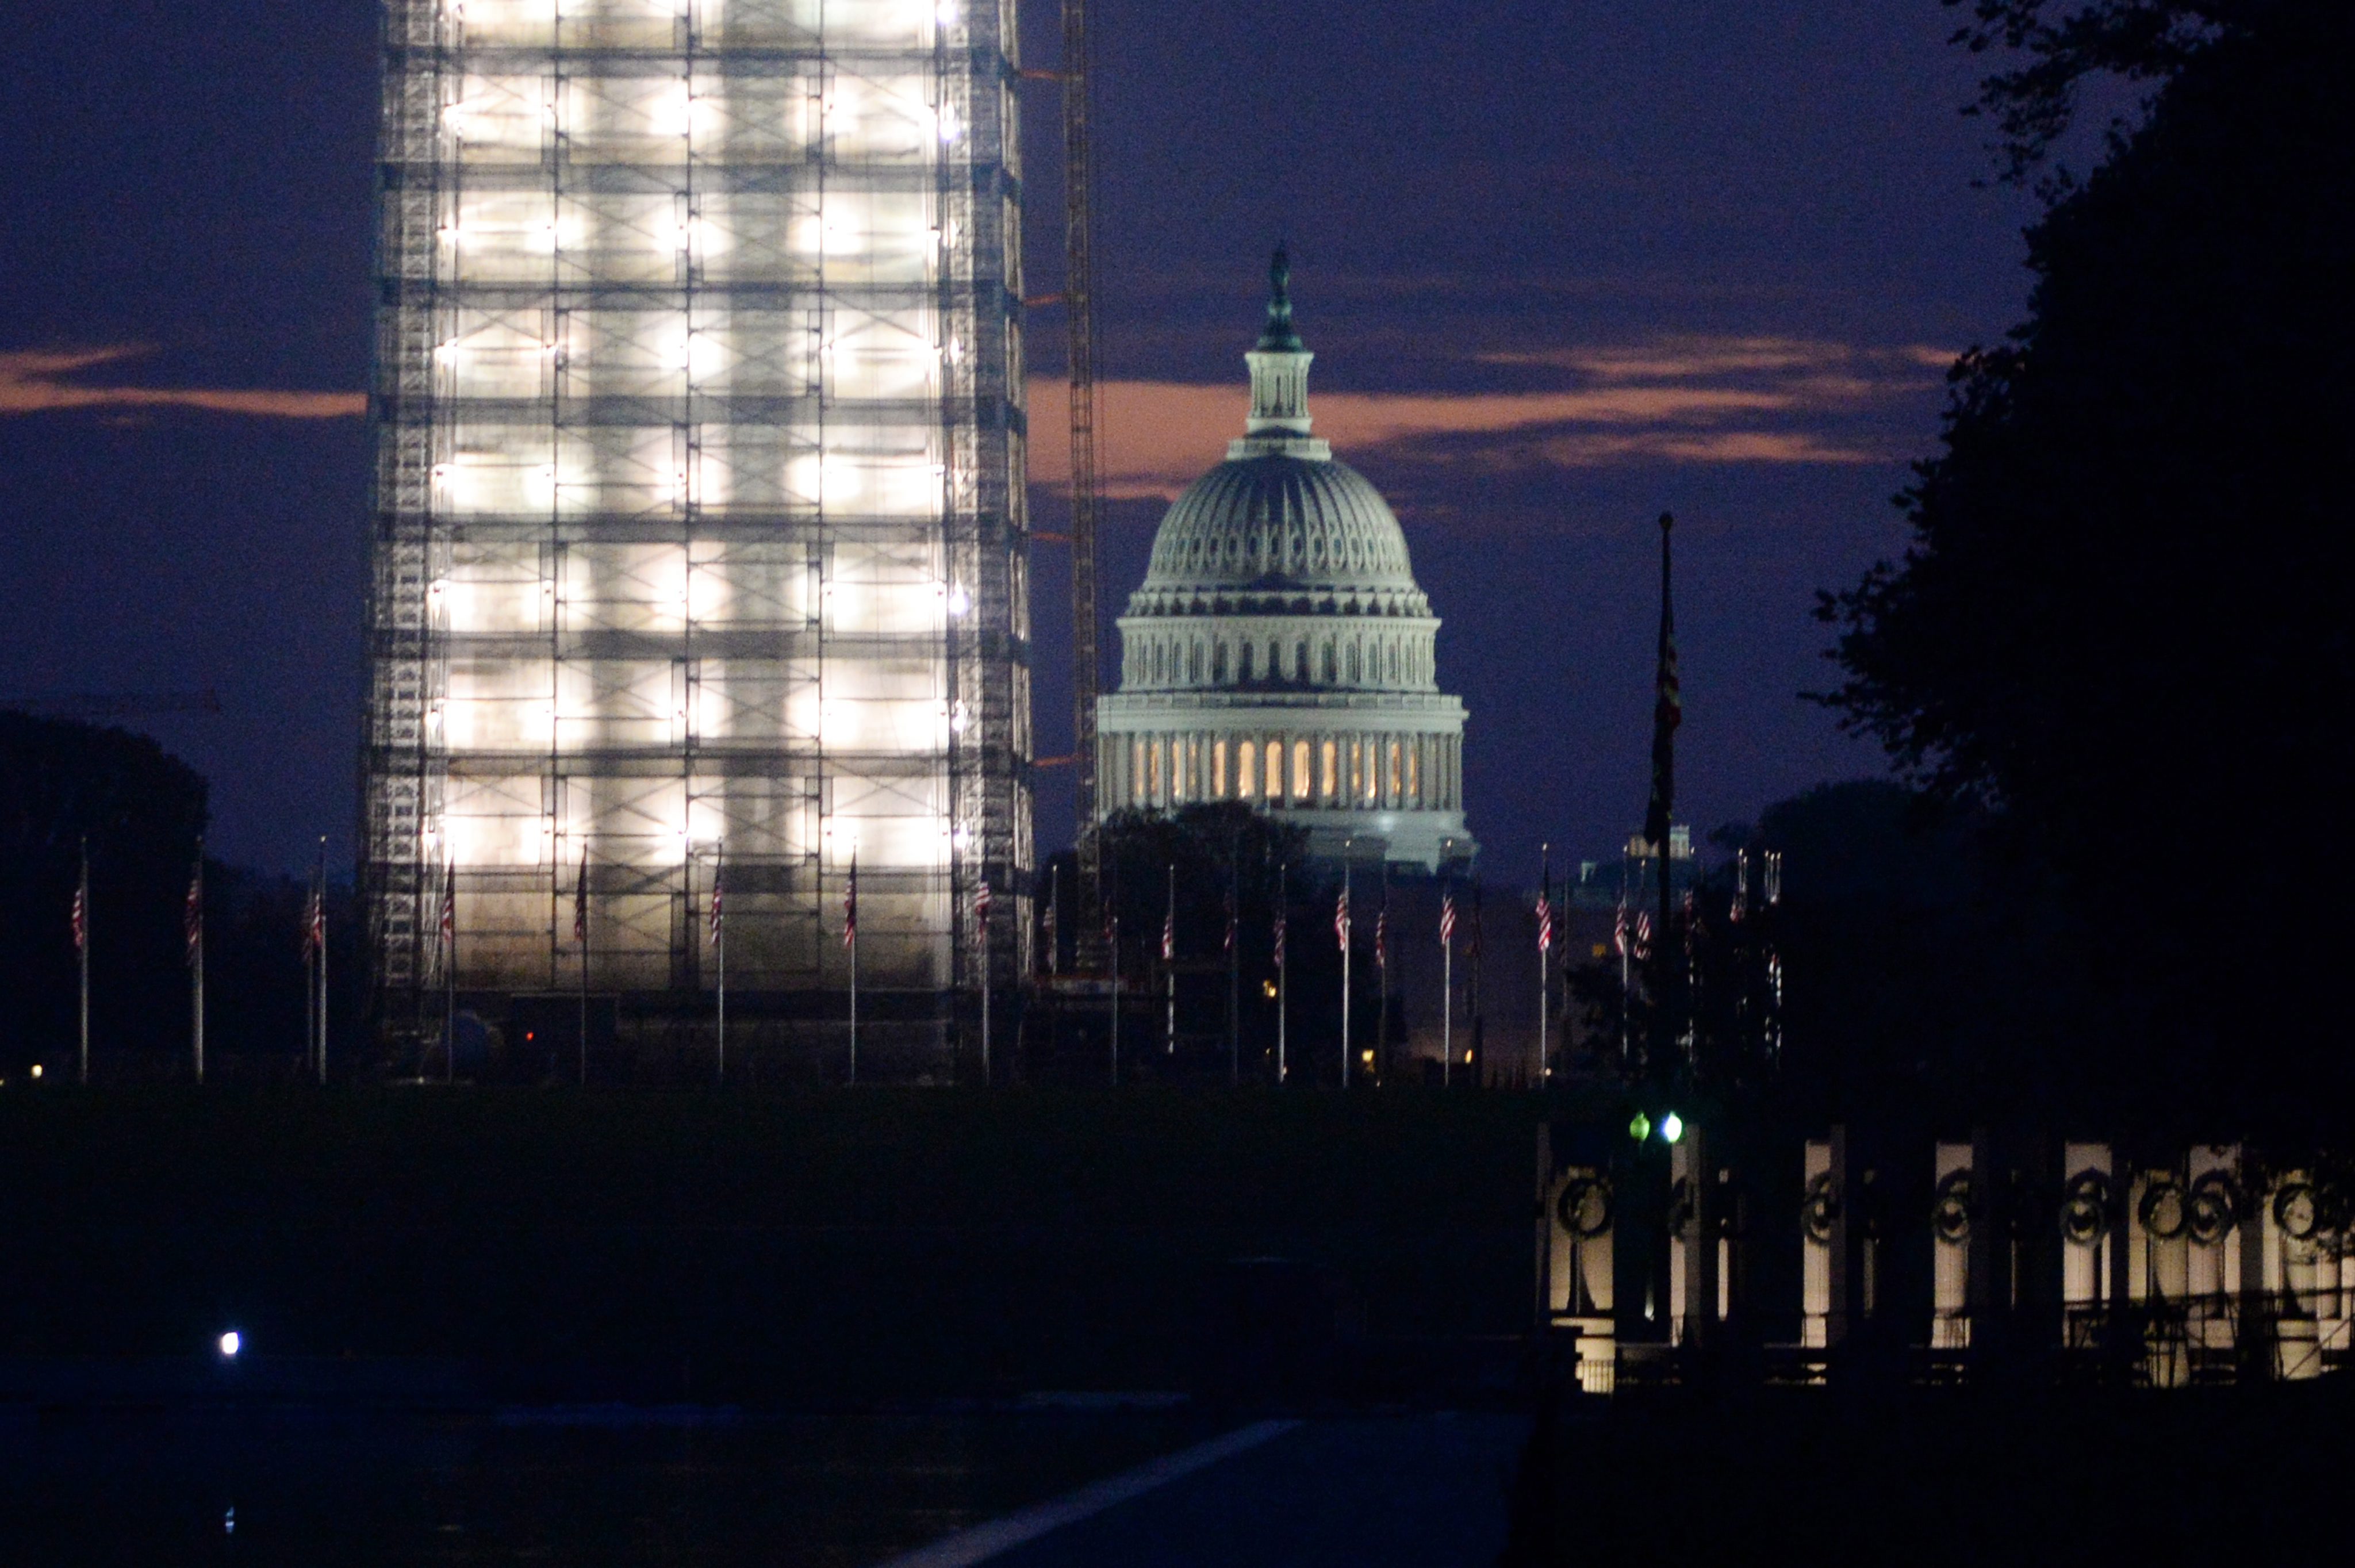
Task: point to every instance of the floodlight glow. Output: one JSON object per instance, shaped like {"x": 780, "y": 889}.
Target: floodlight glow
{"x": 230, "y": 1343}
{"x": 1672, "y": 1127}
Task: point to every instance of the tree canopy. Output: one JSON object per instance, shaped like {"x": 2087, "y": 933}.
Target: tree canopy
{"x": 2119, "y": 624}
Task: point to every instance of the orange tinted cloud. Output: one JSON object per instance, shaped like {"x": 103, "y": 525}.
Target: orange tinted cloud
{"x": 37, "y": 381}
{"x": 1690, "y": 357}
{"x": 1679, "y": 400}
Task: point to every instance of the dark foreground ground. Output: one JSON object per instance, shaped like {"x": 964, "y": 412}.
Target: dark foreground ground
{"x": 1937, "y": 1477}
{"x": 520, "y": 1327}
{"x": 540, "y": 1245}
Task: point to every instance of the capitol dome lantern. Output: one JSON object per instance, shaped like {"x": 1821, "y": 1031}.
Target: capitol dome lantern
{"x": 1279, "y": 651}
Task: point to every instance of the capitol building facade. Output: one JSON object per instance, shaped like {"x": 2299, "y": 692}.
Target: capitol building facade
{"x": 1279, "y": 652}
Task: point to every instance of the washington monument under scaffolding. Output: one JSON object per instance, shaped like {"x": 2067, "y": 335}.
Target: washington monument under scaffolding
{"x": 698, "y": 529}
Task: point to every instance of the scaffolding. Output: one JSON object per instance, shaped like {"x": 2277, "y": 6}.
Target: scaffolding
{"x": 699, "y": 527}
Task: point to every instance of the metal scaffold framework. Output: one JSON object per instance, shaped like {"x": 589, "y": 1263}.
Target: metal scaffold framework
{"x": 699, "y": 524}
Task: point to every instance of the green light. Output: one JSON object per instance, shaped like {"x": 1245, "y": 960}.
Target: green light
{"x": 1640, "y": 1128}
{"x": 1672, "y": 1127}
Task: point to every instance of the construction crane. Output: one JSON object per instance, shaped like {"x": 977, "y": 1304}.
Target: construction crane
{"x": 95, "y": 705}
{"x": 1078, "y": 300}
{"x": 1079, "y": 305}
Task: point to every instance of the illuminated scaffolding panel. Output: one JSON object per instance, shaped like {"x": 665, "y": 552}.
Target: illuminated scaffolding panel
{"x": 699, "y": 520}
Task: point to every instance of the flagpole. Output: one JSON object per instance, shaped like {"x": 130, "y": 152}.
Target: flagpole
{"x": 1545, "y": 945}
{"x": 719, "y": 949}
{"x": 321, "y": 971}
{"x": 1235, "y": 962}
{"x": 1446, "y": 966}
{"x": 850, "y": 937}
{"x": 1169, "y": 967}
{"x": 1112, "y": 934}
{"x": 311, "y": 976}
{"x": 1344, "y": 933}
{"x": 1382, "y": 974}
{"x": 1283, "y": 973}
{"x": 1668, "y": 713}
{"x": 981, "y": 920}
{"x": 319, "y": 966}
{"x": 1622, "y": 938}
{"x": 81, "y": 946}
{"x": 581, "y": 932}
{"x": 196, "y": 954}
{"x": 1447, "y": 989}
{"x": 1479, "y": 962}
{"x": 449, "y": 977}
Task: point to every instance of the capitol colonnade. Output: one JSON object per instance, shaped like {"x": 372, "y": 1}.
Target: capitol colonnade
{"x": 1326, "y": 770}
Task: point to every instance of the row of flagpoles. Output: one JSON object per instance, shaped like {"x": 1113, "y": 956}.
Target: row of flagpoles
{"x": 716, "y": 935}
{"x": 1631, "y": 941}
{"x": 315, "y": 958}
{"x": 1343, "y": 929}
{"x": 192, "y": 929}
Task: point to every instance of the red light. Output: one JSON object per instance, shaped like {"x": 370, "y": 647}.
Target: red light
{"x": 527, "y": 1037}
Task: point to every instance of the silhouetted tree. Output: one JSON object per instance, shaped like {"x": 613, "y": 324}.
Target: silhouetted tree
{"x": 2120, "y": 625}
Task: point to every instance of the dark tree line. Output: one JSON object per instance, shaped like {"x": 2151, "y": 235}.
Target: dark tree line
{"x": 2119, "y": 633}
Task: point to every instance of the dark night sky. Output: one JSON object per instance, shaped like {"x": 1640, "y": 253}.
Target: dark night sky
{"x": 1564, "y": 264}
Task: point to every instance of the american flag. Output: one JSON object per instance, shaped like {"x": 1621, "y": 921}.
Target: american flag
{"x": 1053, "y": 922}
{"x": 580, "y": 901}
{"x": 1447, "y": 918}
{"x": 1545, "y": 923}
{"x": 981, "y": 899}
{"x": 718, "y": 911}
{"x": 850, "y": 904}
{"x": 81, "y": 913}
{"x": 1341, "y": 919}
{"x": 314, "y": 924}
{"x": 1229, "y": 945}
{"x": 1643, "y": 935}
{"x": 192, "y": 916}
{"x": 1279, "y": 939}
{"x": 1668, "y": 714}
{"x": 1741, "y": 885}
{"x": 449, "y": 910}
{"x": 1619, "y": 932}
{"x": 1383, "y": 937}
{"x": 1169, "y": 936}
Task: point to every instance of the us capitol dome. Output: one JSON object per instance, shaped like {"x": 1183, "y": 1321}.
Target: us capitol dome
{"x": 1279, "y": 651}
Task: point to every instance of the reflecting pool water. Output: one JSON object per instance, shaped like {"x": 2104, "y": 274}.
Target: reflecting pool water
{"x": 165, "y": 1486}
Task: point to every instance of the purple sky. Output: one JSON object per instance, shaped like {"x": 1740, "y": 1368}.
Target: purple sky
{"x": 1564, "y": 265}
